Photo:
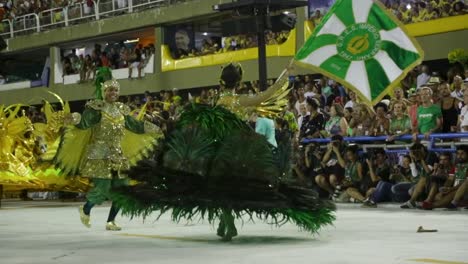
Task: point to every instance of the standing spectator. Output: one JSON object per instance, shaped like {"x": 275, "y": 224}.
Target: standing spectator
{"x": 352, "y": 100}
{"x": 316, "y": 18}
{"x": 300, "y": 99}
{"x": 302, "y": 114}
{"x": 82, "y": 69}
{"x": 463, "y": 118}
{"x": 348, "y": 114}
{"x": 423, "y": 77}
{"x": 415, "y": 101}
{"x": 449, "y": 107}
{"x": 429, "y": 115}
{"x": 457, "y": 88}
{"x": 74, "y": 60}
{"x": 399, "y": 96}
{"x": 105, "y": 60}
{"x": 458, "y": 9}
{"x": 381, "y": 124}
{"x": 67, "y": 67}
{"x": 135, "y": 61}
{"x": 400, "y": 124}
{"x": 314, "y": 122}
{"x": 89, "y": 67}
{"x": 2, "y": 79}
{"x": 114, "y": 58}
{"x": 361, "y": 122}
{"x": 336, "y": 124}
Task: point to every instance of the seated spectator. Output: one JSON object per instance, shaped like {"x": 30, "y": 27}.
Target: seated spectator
{"x": 402, "y": 173}
{"x": 312, "y": 161}
{"x": 441, "y": 176}
{"x": 422, "y": 164}
{"x": 352, "y": 183}
{"x": 452, "y": 195}
{"x": 332, "y": 174}
{"x": 379, "y": 172}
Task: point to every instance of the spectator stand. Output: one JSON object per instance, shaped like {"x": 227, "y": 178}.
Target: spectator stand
{"x": 116, "y": 73}
{"x": 75, "y": 12}
{"x": 288, "y": 48}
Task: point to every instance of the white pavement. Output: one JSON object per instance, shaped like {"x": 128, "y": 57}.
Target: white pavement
{"x": 48, "y": 232}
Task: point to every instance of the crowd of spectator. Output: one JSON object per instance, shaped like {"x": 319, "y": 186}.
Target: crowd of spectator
{"x": 415, "y": 11}
{"x": 220, "y": 45}
{"x": 116, "y": 56}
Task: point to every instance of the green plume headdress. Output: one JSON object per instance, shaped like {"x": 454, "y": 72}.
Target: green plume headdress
{"x": 103, "y": 74}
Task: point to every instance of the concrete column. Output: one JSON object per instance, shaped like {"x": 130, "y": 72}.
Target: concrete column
{"x": 159, "y": 40}
{"x": 302, "y": 16}
{"x": 55, "y": 67}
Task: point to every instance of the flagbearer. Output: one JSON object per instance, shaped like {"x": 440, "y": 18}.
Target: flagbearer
{"x": 362, "y": 46}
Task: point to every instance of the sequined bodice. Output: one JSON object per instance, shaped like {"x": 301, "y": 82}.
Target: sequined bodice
{"x": 108, "y": 134}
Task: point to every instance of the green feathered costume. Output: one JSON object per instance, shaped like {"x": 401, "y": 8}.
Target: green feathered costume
{"x": 215, "y": 167}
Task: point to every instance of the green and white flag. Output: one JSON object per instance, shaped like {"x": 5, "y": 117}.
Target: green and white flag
{"x": 361, "y": 45}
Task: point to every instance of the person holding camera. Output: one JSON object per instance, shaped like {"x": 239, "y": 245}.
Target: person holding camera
{"x": 422, "y": 164}
{"x": 332, "y": 173}
{"x": 379, "y": 172}
{"x": 352, "y": 182}
{"x": 312, "y": 161}
{"x": 441, "y": 177}
{"x": 455, "y": 190}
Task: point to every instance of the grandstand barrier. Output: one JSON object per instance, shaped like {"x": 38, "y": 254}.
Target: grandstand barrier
{"x": 286, "y": 49}
{"x": 6, "y": 29}
{"x": 15, "y": 86}
{"x": 433, "y": 143}
{"x": 26, "y": 24}
{"x": 76, "y": 13}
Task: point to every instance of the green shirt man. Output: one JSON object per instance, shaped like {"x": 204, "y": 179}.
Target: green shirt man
{"x": 427, "y": 118}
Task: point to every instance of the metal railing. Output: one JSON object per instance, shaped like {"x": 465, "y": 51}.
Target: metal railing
{"x": 433, "y": 142}
{"x": 74, "y": 14}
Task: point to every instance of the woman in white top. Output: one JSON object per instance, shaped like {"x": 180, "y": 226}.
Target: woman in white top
{"x": 463, "y": 120}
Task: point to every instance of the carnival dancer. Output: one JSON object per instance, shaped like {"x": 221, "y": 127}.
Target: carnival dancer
{"x": 103, "y": 143}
